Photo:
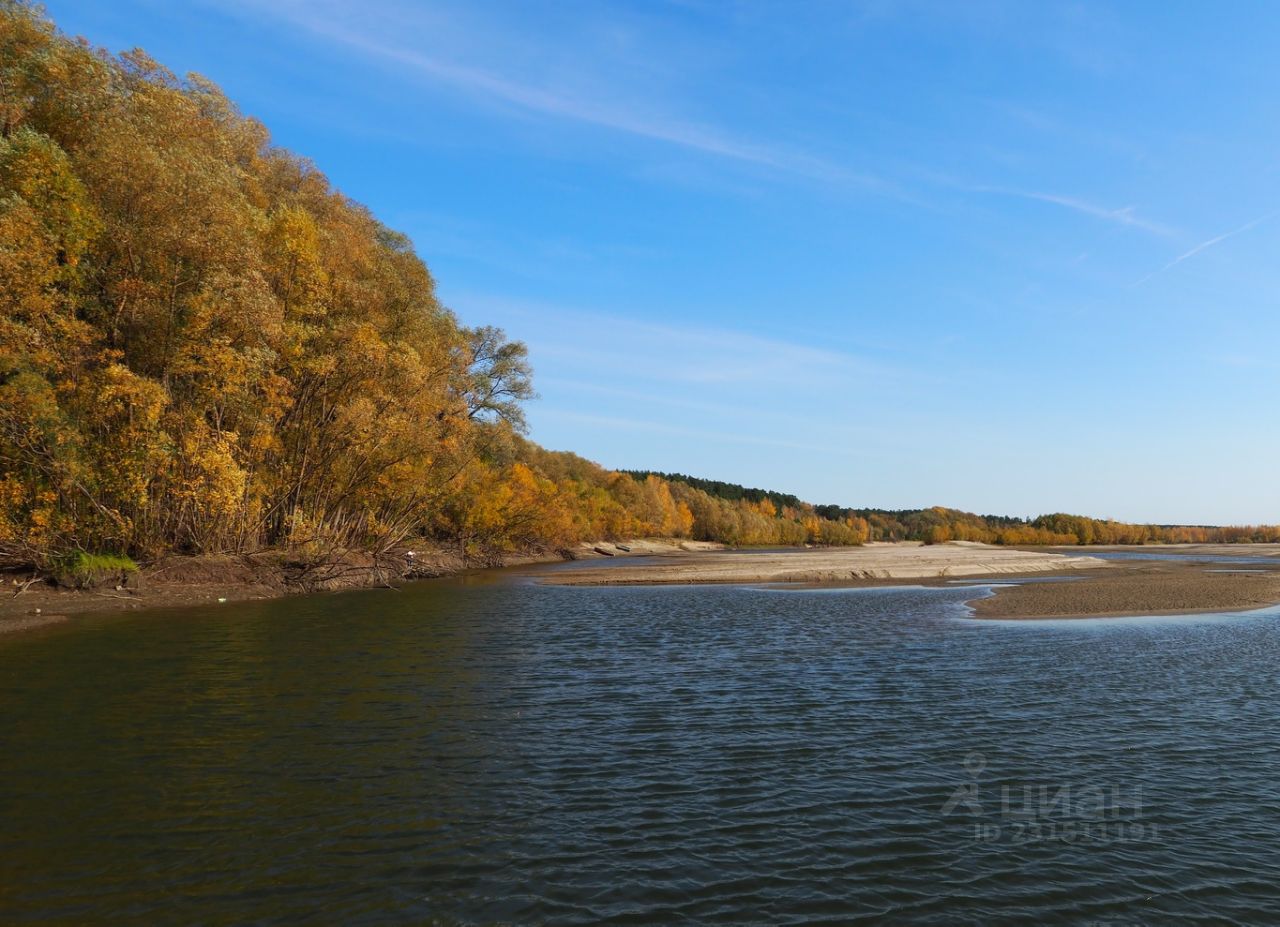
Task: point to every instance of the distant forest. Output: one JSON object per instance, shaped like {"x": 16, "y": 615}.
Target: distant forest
{"x": 937, "y": 524}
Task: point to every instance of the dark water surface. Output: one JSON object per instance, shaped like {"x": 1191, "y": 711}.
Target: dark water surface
{"x": 493, "y": 751}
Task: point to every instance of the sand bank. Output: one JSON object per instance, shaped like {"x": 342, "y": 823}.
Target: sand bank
{"x": 831, "y": 565}
{"x": 1141, "y": 588}
{"x": 1098, "y": 588}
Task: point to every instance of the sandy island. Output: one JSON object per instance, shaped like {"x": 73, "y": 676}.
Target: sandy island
{"x": 830, "y": 565}
{"x": 1098, "y": 588}
{"x": 1147, "y": 587}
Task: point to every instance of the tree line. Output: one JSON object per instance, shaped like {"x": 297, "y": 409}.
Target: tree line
{"x": 733, "y": 491}
{"x": 205, "y": 347}
{"x": 938, "y": 524}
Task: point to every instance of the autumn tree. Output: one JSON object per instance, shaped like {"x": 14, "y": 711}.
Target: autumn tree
{"x": 205, "y": 347}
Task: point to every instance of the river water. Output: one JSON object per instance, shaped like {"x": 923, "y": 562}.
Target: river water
{"x": 489, "y": 750}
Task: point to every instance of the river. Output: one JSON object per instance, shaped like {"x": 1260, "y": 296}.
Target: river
{"x": 489, "y": 750}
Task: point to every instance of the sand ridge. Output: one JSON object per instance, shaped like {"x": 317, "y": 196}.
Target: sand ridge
{"x": 830, "y": 565}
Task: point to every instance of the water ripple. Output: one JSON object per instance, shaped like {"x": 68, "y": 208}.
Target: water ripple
{"x": 513, "y": 753}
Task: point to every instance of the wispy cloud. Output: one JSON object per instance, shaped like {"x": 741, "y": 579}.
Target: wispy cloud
{"x": 1208, "y": 243}
{"x": 702, "y": 434}
{"x": 671, "y": 355}
{"x": 594, "y": 109}
{"x": 557, "y": 103}
{"x": 1242, "y": 361}
{"x": 784, "y": 420}
{"x": 1125, "y": 215}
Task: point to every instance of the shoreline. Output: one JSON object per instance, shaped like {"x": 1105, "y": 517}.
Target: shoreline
{"x": 178, "y": 581}
{"x": 1094, "y": 587}
{"x": 1136, "y": 589}
{"x": 838, "y": 566}
{"x": 1150, "y": 613}
{"x": 1200, "y": 581}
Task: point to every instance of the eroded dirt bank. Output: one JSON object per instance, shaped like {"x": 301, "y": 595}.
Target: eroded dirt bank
{"x": 178, "y": 581}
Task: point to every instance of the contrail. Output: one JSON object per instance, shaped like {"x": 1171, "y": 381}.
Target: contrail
{"x": 1207, "y": 244}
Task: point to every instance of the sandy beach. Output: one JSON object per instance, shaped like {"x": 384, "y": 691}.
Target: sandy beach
{"x": 1096, "y": 587}
{"x": 833, "y": 565}
{"x": 1141, "y": 588}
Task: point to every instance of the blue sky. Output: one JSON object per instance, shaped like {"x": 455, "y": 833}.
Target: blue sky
{"x": 1004, "y": 256}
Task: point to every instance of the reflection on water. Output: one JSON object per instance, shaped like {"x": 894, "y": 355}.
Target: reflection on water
{"x": 494, "y": 751}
